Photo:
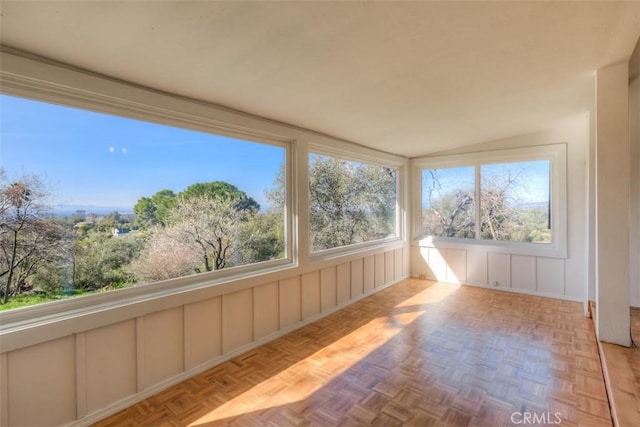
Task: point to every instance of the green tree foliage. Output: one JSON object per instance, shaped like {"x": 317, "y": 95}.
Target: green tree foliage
{"x": 207, "y": 227}
{"x": 221, "y": 189}
{"x": 102, "y": 260}
{"x": 349, "y": 202}
{"x": 154, "y": 210}
{"x": 262, "y": 238}
{"x": 212, "y": 226}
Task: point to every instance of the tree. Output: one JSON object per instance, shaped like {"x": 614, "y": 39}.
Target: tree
{"x": 102, "y": 260}
{"x": 262, "y": 237}
{"x": 449, "y": 213}
{"x": 277, "y": 195}
{"x": 213, "y": 223}
{"x": 28, "y": 236}
{"x": 154, "y": 210}
{"x": 350, "y": 202}
{"x": 213, "y": 219}
{"x": 503, "y": 213}
{"x": 166, "y": 256}
{"x": 221, "y": 189}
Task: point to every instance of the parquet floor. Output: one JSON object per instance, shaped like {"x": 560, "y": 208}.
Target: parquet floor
{"x": 622, "y": 366}
{"x": 419, "y": 353}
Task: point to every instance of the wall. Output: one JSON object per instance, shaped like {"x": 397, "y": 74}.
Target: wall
{"x": 78, "y": 360}
{"x": 479, "y": 265}
{"x": 634, "y": 138}
{"x": 613, "y": 172}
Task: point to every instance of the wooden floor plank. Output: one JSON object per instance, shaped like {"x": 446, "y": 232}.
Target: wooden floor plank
{"x": 418, "y": 353}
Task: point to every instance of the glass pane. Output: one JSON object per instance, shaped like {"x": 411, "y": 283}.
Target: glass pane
{"x": 448, "y": 202}
{"x": 350, "y": 202}
{"x": 104, "y": 202}
{"x": 515, "y": 203}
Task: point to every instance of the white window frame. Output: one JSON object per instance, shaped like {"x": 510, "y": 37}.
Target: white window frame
{"x": 556, "y": 154}
{"x": 367, "y": 157}
{"x": 44, "y": 82}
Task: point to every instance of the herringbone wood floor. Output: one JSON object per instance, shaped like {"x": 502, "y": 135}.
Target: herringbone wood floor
{"x": 419, "y": 353}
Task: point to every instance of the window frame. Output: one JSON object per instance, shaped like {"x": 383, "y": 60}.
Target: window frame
{"x": 360, "y": 156}
{"x": 58, "y": 85}
{"x": 556, "y": 154}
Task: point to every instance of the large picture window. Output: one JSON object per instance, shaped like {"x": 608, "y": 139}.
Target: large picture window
{"x": 510, "y": 196}
{"x": 350, "y": 202}
{"x": 91, "y": 202}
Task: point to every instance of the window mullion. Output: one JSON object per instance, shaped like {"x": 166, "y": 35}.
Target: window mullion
{"x": 477, "y": 202}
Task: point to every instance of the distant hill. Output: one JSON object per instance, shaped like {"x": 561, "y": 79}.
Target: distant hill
{"x": 68, "y": 210}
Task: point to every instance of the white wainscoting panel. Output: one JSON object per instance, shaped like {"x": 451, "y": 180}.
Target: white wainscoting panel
{"x": 477, "y": 267}
{"x": 523, "y": 272}
{"x": 437, "y": 264}
{"x": 110, "y": 364}
{"x": 379, "y": 275}
{"x": 398, "y": 263}
{"x": 369, "y": 271}
{"x": 328, "y": 291}
{"x": 290, "y": 302}
{"x": 237, "y": 320}
{"x": 499, "y": 270}
{"x": 456, "y": 262}
{"x": 265, "y": 310}
{"x": 357, "y": 278}
{"x": 344, "y": 282}
{"x": 550, "y": 275}
{"x": 389, "y": 268}
{"x": 41, "y": 384}
{"x": 486, "y": 267}
{"x": 203, "y": 331}
{"x": 163, "y": 340}
{"x": 310, "y": 294}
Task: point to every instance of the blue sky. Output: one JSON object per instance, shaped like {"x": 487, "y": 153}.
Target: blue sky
{"x": 96, "y": 159}
{"x": 532, "y": 187}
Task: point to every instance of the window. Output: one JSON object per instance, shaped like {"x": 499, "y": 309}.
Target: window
{"x": 448, "y": 202}
{"x": 94, "y": 202}
{"x": 350, "y": 202}
{"x": 515, "y": 202}
{"x": 508, "y": 197}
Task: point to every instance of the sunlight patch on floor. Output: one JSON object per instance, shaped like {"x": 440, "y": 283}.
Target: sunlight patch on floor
{"x": 433, "y": 294}
{"x": 321, "y": 368}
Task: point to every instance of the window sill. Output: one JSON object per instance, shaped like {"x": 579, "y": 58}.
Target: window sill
{"x": 328, "y": 254}
{"x": 76, "y": 315}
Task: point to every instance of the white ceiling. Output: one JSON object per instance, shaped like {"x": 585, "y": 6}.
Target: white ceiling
{"x": 410, "y": 78}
